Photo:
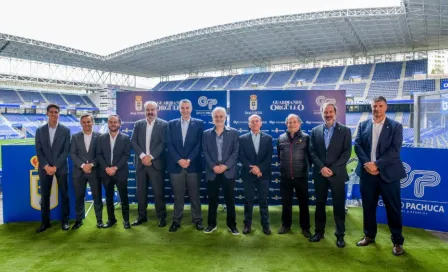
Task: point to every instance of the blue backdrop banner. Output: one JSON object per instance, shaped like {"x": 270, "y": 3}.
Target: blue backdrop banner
{"x": 423, "y": 191}
{"x": 21, "y": 186}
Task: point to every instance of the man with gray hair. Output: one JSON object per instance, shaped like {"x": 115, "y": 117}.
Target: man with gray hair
{"x": 220, "y": 146}
{"x": 256, "y": 156}
{"x": 293, "y": 154}
{"x": 184, "y": 163}
{"x": 148, "y": 141}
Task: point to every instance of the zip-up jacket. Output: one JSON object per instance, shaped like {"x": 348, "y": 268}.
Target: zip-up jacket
{"x": 293, "y": 154}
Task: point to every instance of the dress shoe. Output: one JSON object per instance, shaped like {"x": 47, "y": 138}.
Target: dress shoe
{"x": 340, "y": 242}
{"x": 199, "y": 226}
{"x": 284, "y": 230}
{"x": 110, "y": 223}
{"x": 174, "y": 227}
{"x": 397, "y": 250}
{"x": 365, "y": 241}
{"x": 306, "y": 233}
{"x": 162, "y": 223}
{"x": 65, "y": 226}
{"x": 139, "y": 221}
{"x": 317, "y": 237}
{"x": 233, "y": 230}
{"x": 127, "y": 225}
{"x": 267, "y": 230}
{"x": 247, "y": 229}
{"x": 77, "y": 225}
{"x": 99, "y": 224}
{"x": 43, "y": 227}
{"x": 210, "y": 228}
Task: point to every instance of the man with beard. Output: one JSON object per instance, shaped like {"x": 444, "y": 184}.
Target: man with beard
{"x": 113, "y": 153}
{"x": 377, "y": 145}
{"x": 256, "y": 156}
{"x": 293, "y": 154}
{"x": 52, "y": 148}
{"x": 149, "y": 143}
{"x": 185, "y": 163}
{"x": 85, "y": 165}
{"x": 330, "y": 149}
{"x": 220, "y": 146}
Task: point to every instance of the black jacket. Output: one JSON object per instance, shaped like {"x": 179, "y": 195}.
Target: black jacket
{"x": 293, "y": 155}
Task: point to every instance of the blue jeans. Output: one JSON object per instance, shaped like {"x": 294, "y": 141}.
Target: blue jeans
{"x": 262, "y": 187}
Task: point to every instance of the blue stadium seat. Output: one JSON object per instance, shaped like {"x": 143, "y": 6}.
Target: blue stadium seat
{"x": 259, "y": 79}
{"x": 329, "y": 75}
{"x": 305, "y": 75}
{"x": 186, "y": 84}
{"x": 426, "y": 85}
{"x": 416, "y": 67}
{"x": 355, "y": 90}
{"x": 279, "y": 79}
{"x": 237, "y": 81}
{"x": 387, "y": 71}
{"x": 386, "y": 89}
{"x": 361, "y": 71}
{"x": 219, "y": 82}
{"x": 31, "y": 97}
{"x": 55, "y": 98}
{"x": 10, "y": 97}
{"x": 202, "y": 83}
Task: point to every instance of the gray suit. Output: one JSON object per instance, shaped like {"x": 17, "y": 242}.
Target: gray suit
{"x": 53, "y": 155}
{"x": 80, "y": 156}
{"x": 156, "y": 171}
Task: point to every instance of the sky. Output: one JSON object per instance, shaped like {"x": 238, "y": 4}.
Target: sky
{"x": 104, "y": 27}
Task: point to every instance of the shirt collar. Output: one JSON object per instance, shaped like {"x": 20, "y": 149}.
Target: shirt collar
{"x": 380, "y": 123}
{"x": 88, "y": 135}
{"x": 253, "y": 134}
{"x": 57, "y": 124}
{"x": 152, "y": 123}
{"x": 225, "y": 128}
{"x": 332, "y": 126}
{"x": 110, "y": 136}
{"x": 185, "y": 121}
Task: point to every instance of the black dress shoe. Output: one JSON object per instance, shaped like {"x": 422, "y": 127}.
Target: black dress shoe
{"x": 77, "y": 225}
{"x": 233, "y": 230}
{"x": 247, "y": 229}
{"x": 306, "y": 233}
{"x": 210, "y": 228}
{"x": 284, "y": 230}
{"x": 365, "y": 241}
{"x": 139, "y": 221}
{"x": 162, "y": 223}
{"x": 127, "y": 225}
{"x": 199, "y": 226}
{"x": 65, "y": 226}
{"x": 110, "y": 223}
{"x": 174, "y": 227}
{"x": 340, "y": 242}
{"x": 43, "y": 227}
{"x": 99, "y": 224}
{"x": 317, "y": 237}
{"x": 267, "y": 230}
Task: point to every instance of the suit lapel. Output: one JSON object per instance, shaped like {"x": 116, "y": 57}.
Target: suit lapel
{"x": 153, "y": 134}
{"x": 83, "y": 144}
{"x": 336, "y": 131}
{"x": 143, "y": 134}
{"x": 252, "y": 144}
{"x": 117, "y": 140}
{"x": 47, "y": 134}
{"x": 320, "y": 136}
{"x": 384, "y": 132}
{"x": 369, "y": 127}
{"x": 188, "y": 129}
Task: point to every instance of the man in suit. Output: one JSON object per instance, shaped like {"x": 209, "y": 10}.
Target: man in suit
{"x": 52, "y": 147}
{"x": 220, "y": 146}
{"x": 377, "y": 145}
{"x": 149, "y": 143}
{"x": 113, "y": 150}
{"x": 255, "y": 156}
{"x": 330, "y": 149}
{"x": 185, "y": 163}
{"x": 293, "y": 155}
{"x": 85, "y": 165}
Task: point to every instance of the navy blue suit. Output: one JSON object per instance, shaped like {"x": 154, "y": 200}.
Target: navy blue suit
{"x": 263, "y": 160}
{"x": 387, "y": 183}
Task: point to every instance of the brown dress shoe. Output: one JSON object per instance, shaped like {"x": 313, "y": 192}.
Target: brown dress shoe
{"x": 397, "y": 250}
{"x": 365, "y": 241}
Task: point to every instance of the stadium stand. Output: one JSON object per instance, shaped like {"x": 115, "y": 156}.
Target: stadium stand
{"x": 329, "y": 75}
{"x": 238, "y": 81}
{"x": 171, "y": 85}
{"x": 219, "y": 82}
{"x": 279, "y": 79}
{"x": 55, "y": 98}
{"x": 356, "y": 90}
{"x": 258, "y": 79}
{"x": 31, "y": 97}
{"x": 387, "y": 71}
{"x": 361, "y": 71}
{"x": 414, "y": 67}
{"x": 305, "y": 75}
{"x": 386, "y": 89}
{"x": 186, "y": 84}
{"x": 202, "y": 83}
{"x": 10, "y": 97}
{"x": 410, "y": 86}
{"x": 323, "y": 87}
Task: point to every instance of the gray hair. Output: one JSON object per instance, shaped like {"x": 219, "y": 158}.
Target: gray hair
{"x": 150, "y": 103}
{"x": 254, "y": 116}
{"x": 322, "y": 108}
{"x": 182, "y": 101}
{"x": 219, "y": 109}
{"x": 293, "y": 115}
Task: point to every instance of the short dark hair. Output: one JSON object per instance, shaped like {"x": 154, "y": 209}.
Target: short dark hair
{"x": 53, "y": 106}
{"x": 114, "y": 115}
{"x": 86, "y": 115}
{"x": 379, "y": 99}
{"x": 322, "y": 108}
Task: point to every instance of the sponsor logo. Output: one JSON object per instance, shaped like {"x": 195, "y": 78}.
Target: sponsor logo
{"x": 203, "y": 101}
{"x": 253, "y": 103}
{"x": 321, "y": 99}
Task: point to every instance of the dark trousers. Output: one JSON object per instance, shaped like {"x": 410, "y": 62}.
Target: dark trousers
{"x": 371, "y": 188}
{"x": 46, "y": 182}
{"x": 228, "y": 186}
{"x": 262, "y": 189}
{"x": 181, "y": 183}
{"x": 321, "y": 185}
{"x": 144, "y": 176}
{"x": 287, "y": 187}
{"x": 109, "y": 184}
{"x": 80, "y": 185}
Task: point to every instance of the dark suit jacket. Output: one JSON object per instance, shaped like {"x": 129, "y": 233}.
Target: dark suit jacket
{"x": 55, "y": 155}
{"x": 230, "y": 151}
{"x": 157, "y": 144}
{"x": 248, "y": 156}
{"x": 80, "y": 155}
{"x": 122, "y": 150}
{"x": 337, "y": 154}
{"x": 190, "y": 150}
{"x": 387, "y": 152}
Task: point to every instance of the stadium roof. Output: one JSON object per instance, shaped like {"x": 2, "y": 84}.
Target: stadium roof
{"x": 416, "y": 25}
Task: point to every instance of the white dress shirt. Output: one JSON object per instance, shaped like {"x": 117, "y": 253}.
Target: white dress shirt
{"x": 87, "y": 141}
{"x": 149, "y": 127}
{"x": 52, "y": 132}
{"x": 184, "y": 127}
{"x": 376, "y": 131}
{"x": 112, "y": 145}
